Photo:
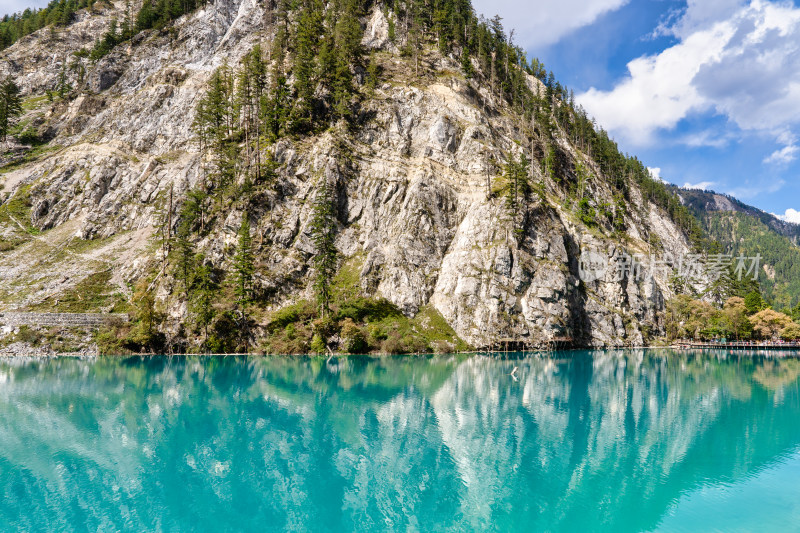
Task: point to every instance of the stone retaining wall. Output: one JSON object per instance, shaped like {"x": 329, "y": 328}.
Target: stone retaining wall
{"x": 89, "y": 320}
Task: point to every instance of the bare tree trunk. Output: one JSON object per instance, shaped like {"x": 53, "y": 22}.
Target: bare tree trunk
{"x": 494, "y": 55}
{"x": 488, "y": 180}
{"x": 169, "y": 227}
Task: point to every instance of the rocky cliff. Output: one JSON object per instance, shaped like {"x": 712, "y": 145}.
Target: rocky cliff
{"x": 85, "y": 215}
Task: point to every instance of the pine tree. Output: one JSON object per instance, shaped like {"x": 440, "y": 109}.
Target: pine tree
{"x": 245, "y": 108}
{"x": 373, "y": 75}
{"x": 392, "y": 31}
{"x": 195, "y": 207}
{"x": 415, "y": 31}
{"x": 212, "y": 118}
{"x": 347, "y": 35}
{"x": 63, "y": 87}
{"x": 309, "y": 28}
{"x": 243, "y": 266}
{"x": 10, "y": 106}
{"x": 204, "y": 293}
{"x": 516, "y": 174}
{"x": 127, "y": 26}
{"x": 184, "y": 248}
{"x": 243, "y": 279}
{"x": 147, "y": 16}
{"x": 79, "y": 69}
{"x": 256, "y": 73}
{"x": 466, "y": 64}
{"x": 147, "y": 319}
{"x": 216, "y": 124}
{"x": 107, "y": 42}
{"x": 550, "y": 162}
{"x": 323, "y": 234}
{"x": 326, "y": 66}
{"x": 275, "y": 104}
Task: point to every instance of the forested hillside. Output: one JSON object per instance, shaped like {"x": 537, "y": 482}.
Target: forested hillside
{"x": 741, "y": 229}
{"x": 702, "y": 203}
{"x": 740, "y": 233}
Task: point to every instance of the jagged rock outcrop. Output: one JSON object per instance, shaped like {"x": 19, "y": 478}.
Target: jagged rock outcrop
{"x": 414, "y": 212}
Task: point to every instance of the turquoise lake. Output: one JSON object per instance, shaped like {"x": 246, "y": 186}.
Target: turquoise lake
{"x": 636, "y": 440}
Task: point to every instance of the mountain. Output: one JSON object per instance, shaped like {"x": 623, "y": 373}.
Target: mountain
{"x": 702, "y": 202}
{"x": 745, "y": 230}
{"x": 296, "y": 177}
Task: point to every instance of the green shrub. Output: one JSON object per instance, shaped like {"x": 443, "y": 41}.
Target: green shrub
{"x": 586, "y": 212}
{"x": 302, "y": 311}
{"x": 376, "y": 335}
{"x": 325, "y": 327}
{"x": 108, "y": 343}
{"x": 28, "y": 335}
{"x": 368, "y": 310}
{"x": 397, "y": 343}
{"x": 224, "y": 334}
{"x": 317, "y": 344}
{"x": 393, "y": 344}
{"x": 29, "y": 136}
{"x": 353, "y": 338}
{"x": 294, "y": 339}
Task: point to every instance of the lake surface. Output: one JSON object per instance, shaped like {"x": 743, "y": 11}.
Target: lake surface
{"x": 578, "y": 441}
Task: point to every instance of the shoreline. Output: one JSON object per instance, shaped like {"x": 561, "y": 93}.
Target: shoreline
{"x": 20, "y": 350}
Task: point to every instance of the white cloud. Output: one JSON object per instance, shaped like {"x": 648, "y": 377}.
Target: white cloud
{"x": 791, "y": 215}
{"x": 655, "y": 173}
{"x": 9, "y": 7}
{"x": 658, "y": 92}
{"x": 713, "y": 139}
{"x": 787, "y": 137}
{"x": 784, "y": 156}
{"x": 699, "y": 14}
{"x": 703, "y": 185}
{"x": 741, "y": 61}
{"x": 541, "y": 23}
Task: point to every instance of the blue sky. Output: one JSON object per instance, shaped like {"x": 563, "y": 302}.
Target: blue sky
{"x": 705, "y": 91}
{"x": 15, "y": 6}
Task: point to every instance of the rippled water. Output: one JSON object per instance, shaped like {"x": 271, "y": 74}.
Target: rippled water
{"x": 583, "y": 441}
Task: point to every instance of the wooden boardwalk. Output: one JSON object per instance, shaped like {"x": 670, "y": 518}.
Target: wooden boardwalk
{"x": 793, "y": 346}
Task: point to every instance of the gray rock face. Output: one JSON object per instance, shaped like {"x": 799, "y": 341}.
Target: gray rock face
{"x": 23, "y": 349}
{"x": 376, "y": 34}
{"x": 413, "y": 206}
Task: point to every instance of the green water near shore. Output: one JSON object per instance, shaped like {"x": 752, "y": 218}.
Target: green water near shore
{"x": 578, "y": 441}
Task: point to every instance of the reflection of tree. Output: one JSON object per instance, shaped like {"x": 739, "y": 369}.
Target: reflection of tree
{"x": 608, "y": 434}
{"x": 398, "y": 443}
{"x": 774, "y": 375}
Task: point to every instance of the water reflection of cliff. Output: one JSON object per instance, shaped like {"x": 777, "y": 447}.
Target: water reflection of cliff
{"x": 575, "y": 443}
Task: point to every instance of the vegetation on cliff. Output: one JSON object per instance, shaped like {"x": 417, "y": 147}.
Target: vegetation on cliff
{"x": 10, "y": 107}
{"x": 57, "y": 13}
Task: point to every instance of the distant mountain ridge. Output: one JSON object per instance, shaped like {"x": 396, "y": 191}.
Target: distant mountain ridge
{"x": 743, "y": 229}
{"x": 701, "y": 202}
